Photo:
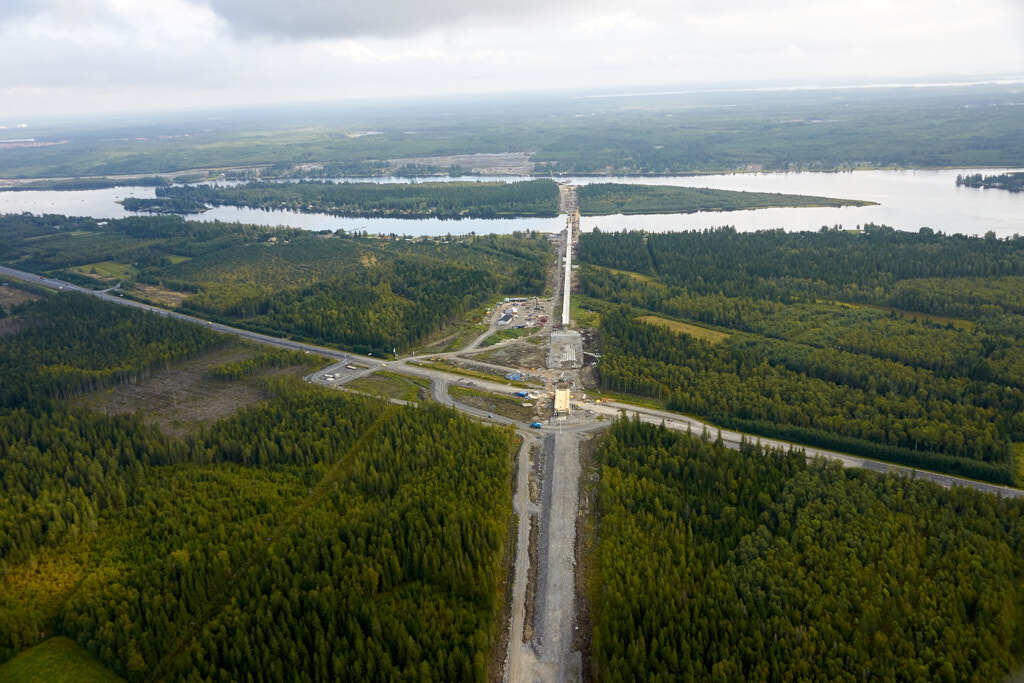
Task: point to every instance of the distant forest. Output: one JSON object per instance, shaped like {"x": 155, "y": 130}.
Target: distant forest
{"x": 599, "y": 199}
{"x": 662, "y": 133}
{"x": 70, "y": 184}
{"x": 717, "y": 565}
{"x": 373, "y": 200}
{"x": 456, "y": 200}
{"x": 1013, "y": 182}
{"x": 899, "y": 346}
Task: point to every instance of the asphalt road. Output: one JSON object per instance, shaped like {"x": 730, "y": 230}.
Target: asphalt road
{"x": 217, "y": 327}
{"x": 732, "y": 439}
{"x": 551, "y": 656}
{"x": 672, "y": 420}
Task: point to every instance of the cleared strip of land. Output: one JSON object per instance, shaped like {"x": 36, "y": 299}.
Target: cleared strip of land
{"x": 713, "y": 336}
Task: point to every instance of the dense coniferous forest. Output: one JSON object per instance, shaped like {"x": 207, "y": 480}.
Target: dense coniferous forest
{"x": 367, "y": 294}
{"x": 317, "y": 535}
{"x": 452, "y": 200}
{"x": 893, "y": 345}
{"x": 54, "y": 357}
{"x": 717, "y": 565}
{"x": 1014, "y": 182}
{"x": 599, "y": 199}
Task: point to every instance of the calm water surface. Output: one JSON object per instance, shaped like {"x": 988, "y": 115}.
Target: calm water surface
{"x": 906, "y": 200}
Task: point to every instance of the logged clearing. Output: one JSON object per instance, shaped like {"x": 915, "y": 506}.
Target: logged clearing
{"x": 55, "y": 661}
{"x": 161, "y": 296}
{"x": 10, "y": 325}
{"x": 9, "y": 298}
{"x": 713, "y": 336}
{"x": 184, "y": 396}
{"x": 629, "y": 273}
{"x": 391, "y": 385}
{"x": 105, "y": 270}
{"x": 12, "y": 296}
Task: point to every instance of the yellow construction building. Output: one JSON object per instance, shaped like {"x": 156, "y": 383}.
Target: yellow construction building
{"x": 561, "y": 401}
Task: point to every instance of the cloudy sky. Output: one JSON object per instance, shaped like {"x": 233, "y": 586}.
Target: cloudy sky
{"x": 61, "y": 57}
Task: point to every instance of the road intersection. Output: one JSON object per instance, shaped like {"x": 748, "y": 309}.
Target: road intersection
{"x": 544, "y": 649}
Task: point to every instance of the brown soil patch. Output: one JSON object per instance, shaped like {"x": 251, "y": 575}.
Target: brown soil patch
{"x": 499, "y": 648}
{"x": 11, "y": 325}
{"x": 533, "y": 477}
{"x": 529, "y": 609}
{"x": 182, "y": 398}
{"x": 12, "y": 296}
{"x": 162, "y": 296}
{"x": 586, "y": 552}
{"x": 518, "y": 354}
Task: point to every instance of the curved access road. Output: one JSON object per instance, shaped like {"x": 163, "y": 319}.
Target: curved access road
{"x": 606, "y": 409}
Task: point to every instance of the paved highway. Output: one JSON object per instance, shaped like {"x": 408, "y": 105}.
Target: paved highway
{"x": 60, "y": 285}
{"x": 609, "y": 409}
{"x": 732, "y": 439}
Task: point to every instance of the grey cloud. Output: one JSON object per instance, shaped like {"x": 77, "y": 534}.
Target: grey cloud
{"x": 302, "y": 19}
{"x": 14, "y": 9}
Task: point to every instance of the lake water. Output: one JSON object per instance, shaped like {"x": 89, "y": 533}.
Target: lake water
{"x": 907, "y": 200}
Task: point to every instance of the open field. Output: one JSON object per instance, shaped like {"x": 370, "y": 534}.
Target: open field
{"x": 160, "y": 295}
{"x": 581, "y": 314}
{"x": 105, "y": 270}
{"x": 647, "y": 279}
{"x": 713, "y": 336}
{"x": 57, "y": 660}
{"x": 504, "y": 335}
{"x": 183, "y": 397}
{"x": 500, "y": 404}
{"x": 391, "y": 385}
